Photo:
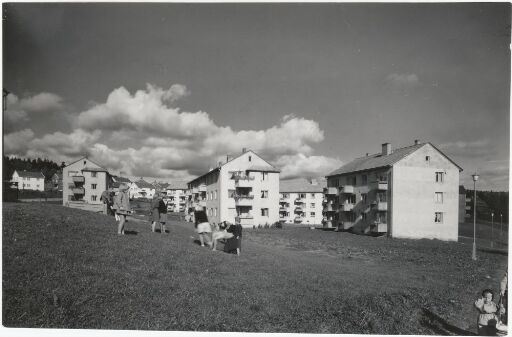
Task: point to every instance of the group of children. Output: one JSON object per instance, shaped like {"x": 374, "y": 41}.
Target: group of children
{"x": 230, "y": 233}
{"x": 492, "y": 317}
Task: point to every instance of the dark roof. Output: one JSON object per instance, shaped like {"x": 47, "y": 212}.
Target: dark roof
{"x": 30, "y": 174}
{"x": 85, "y": 158}
{"x": 378, "y": 160}
{"x": 121, "y": 179}
{"x": 299, "y": 185}
{"x": 94, "y": 169}
{"x": 262, "y": 169}
{"x": 143, "y": 184}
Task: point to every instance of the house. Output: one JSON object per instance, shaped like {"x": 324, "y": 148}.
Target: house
{"x": 116, "y": 181}
{"x": 411, "y": 192}
{"x": 141, "y": 189}
{"x": 83, "y": 181}
{"x": 177, "y": 196}
{"x": 56, "y": 181}
{"x": 300, "y": 202}
{"x": 245, "y": 186}
{"x": 28, "y": 180}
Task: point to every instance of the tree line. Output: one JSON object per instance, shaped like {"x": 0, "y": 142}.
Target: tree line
{"x": 46, "y": 166}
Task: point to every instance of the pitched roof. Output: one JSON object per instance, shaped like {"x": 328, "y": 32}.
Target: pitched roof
{"x": 178, "y": 185}
{"x": 94, "y": 169}
{"x": 87, "y": 159}
{"x": 143, "y": 184}
{"x": 299, "y": 185}
{"x": 30, "y": 174}
{"x": 121, "y": 179}
{"x": 378, "y": 160}
{"x": 262, "y": 169}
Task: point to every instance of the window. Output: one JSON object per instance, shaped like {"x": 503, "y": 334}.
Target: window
{"x": 427, "y": 159}
{"x": 302, "y": 195}
{"x": 438, "y": 217}
{"x": 264, "y": 194}
{"x": 351, "y": 199}
{"x": 313, "y": 195}
{"x": 264, "y": 212}
{"x": 215, "y": 195}
{"x": 363, "y": 216}
{"x": 365, "y": 179}
{"x": 364, "y": 197}
{"x": 265, "y": 175}
{"x": 93, "y": 186}
{"x": 312, "y": 205}
{"x": 439, "y": 197}
{"x": 215, "y": 212}
{"x": 93, "y": 174}
{"x": 250, "y": 158}
{"x": 312, "y": 214}
{"x": 439, "y": 177}
{"x": 93, "y": 198}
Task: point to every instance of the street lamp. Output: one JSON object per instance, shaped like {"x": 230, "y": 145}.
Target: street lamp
{"x": 475, "y": 178}
{"x": 492, "y": 229}
{"x": 501, "y": 224}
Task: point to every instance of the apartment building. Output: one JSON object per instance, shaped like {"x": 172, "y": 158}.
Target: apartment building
{"x": 141, "y": 189}
{"x": 409, "y": 192}
{"x": 245, "y": 186}
{"x": 83, "y": 181}
{"x": 177, "y": 196}
{"x": 27, "y": 180}
{"x": 300, "y": 202}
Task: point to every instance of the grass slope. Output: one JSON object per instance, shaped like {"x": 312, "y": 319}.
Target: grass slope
{"x": 66, "y": 268}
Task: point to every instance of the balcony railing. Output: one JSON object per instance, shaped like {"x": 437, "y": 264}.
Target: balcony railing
{"x": 379, "y": 185}
{"x": 379, "y": 227}
{"x": 78, "y": 179}
{"x": 299, "y": 200}
{"x": 346, "y": 224}
{"x": 382, "y": 206}
{"x": 347, "y": 207}
{"x": 244, "y": 196}
{"x": 283, "y": 209}
{"x": 78, "y": 190}
{"x": 202, "y": 188}
{"x": 347, "y": 189}
{"x": 298, "y": 209}
{"x": 331, "y": 190}
{"x": 245, "y": 216}
{"x": 298, "y": 219}
{"x": 329, "y": 208}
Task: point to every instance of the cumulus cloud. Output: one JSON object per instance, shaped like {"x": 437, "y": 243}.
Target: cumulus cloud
{"x": 41, "y": 102}
{"x": 16, "y": 143}
{"x": 143, "y": 134}
{"x": 460, "y": 148}
{"x": 300, "y": 165}
{"x": 402, "y": 81}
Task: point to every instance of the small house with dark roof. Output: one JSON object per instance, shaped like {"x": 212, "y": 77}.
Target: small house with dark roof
{"x": 245, "y": 186}
{"x": 29, "y": 180}
{"x": 301, "y": 202}
{"x": 83, "y": 181}
{"x": 141, "y": 189}
{"x": 409, "y": 192}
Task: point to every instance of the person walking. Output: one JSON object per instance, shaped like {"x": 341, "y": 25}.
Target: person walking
{"x": 203, "y": 227}
{"x": 155, "y": 211}
{"x": 122, "y": 207}
{"x": 162, "y": 209}
{"x": 108, "y": 200}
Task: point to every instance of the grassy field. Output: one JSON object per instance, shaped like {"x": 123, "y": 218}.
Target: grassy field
{"x": 66, "y": 268}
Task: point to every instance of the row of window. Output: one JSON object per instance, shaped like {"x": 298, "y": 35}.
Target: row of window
{"x": 300, "y": 195}
{"x": 438, "y": 178}
{"x": 304, "y": 214}
{"x": 311, "y": 205}
{"x": 74, "y": 173}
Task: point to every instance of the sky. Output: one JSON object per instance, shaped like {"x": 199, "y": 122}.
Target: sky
{"x": 164, "y": 91}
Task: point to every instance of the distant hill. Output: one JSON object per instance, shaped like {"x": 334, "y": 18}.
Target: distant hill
{"x": 488, "y": 202}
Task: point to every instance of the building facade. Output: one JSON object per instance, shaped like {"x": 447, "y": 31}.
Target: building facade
{"x": 176, "y": 194}
{"x": 300, "y": 202}
{"x": 83, "y": 181}
{"x": 27, "y": 180}
{"x": 246, "y": 186}
{"x": 141, "y": 189}
{"x": 411, "y": 192}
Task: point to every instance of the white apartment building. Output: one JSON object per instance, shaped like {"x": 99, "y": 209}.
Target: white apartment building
{"x": 411, "y": 192}
{"x": 28, "y": 180}
{"x": 141, "y": 189}
{"x": 246, "y": 186}
{"x": 83, "y": 181}
{"x": 300, "y": 202}
{"x": 177, "y": 196}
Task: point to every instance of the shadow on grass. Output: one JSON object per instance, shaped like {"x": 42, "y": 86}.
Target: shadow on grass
{"x": 494, "y": 251}
{"x": 131, "y": 232}
{"x": 440, "y": 326}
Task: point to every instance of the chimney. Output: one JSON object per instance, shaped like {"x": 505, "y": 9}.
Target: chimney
{"x": 416, "y": 141}
{"x": 314, "y": 182}
{"x": 386, "y": 149}
{"x": 244, "y": 150}
{"x": 367, "y": 154}
{"x": 220, "y": 163}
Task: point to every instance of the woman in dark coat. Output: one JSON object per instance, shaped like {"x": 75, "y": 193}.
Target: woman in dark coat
{"x": 158, "y": 212}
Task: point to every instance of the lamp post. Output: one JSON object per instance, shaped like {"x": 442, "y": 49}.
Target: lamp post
{"x": 492, "y": 229}
{"x": 501, "y": 224}
{"x": 475, "y": 178}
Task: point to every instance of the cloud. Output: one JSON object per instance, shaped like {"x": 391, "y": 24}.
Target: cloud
{"x": 300, "y": 165}
{"x": 143, "y": 134}
{"x": 41, "y": 102}
{"x": 17, "y": 143}
{"x": 402, "y": 81}
{"x": 493, "y": 177}
{"x": 474, "y": 148}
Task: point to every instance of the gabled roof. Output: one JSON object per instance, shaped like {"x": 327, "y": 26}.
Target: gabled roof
{"x": 121, "y": 179}
{"x": 378, "y": 160}
{"x": 30, "y": 174}
{"x": 299, "y": 185}
{"x": 262, "y": 169}
{"x": 178, "y": 185}
{"x": 143, "y": 184}
{"x": 87, "y": 159}
{"x": 94, "y": 169}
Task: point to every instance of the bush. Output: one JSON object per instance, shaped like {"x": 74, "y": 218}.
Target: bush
{"x": 277, "y": 224}
{"x": 259, "y": 226}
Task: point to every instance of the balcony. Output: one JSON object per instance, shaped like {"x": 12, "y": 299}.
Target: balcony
{"x": 298, "y": 219}
{"x": 283, "y": 209}
{"x": 202, "y": 203}
{"x": 382, "y": 206}
{"x": 78, "y": 179}
{"x": 346, "y": 224}
{"x": 347, "y": 207}
{"x": 202, "y": 188}
{"x": 379, "y": 227}
{"x": 327, "y": 223}
{"x": 78, "y": 190}
{"x": 244, "y": 200}
{"x": 379, "y": 185}
{"x": 195, "y": 190}
{"x": 244, "y": 183}
{"x": 298, "y": 209}
{"x": 347, "y": 189}
{"x": 284, "y": 198}
{"x": 328, "y": 208}
{"x": 331, "y": 190}
{"x": 299, "y": 201}
{"x": 245, "y": 216}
